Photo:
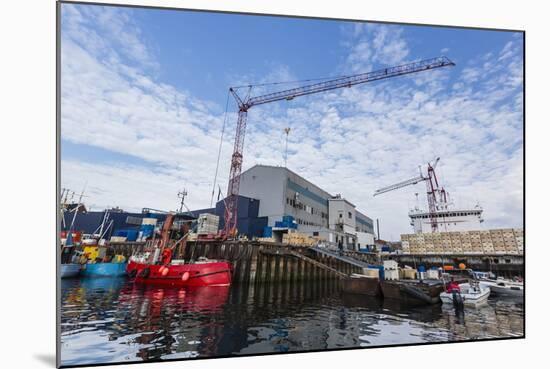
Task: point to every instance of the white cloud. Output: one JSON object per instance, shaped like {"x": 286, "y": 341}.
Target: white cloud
{"x": 349, "y": 141}
{"x": 376, "y": 44}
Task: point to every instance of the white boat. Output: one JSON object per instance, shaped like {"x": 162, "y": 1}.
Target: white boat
{"x": 504, "y": 287}
{"x": 471, "y": 294}
{"x": 69, "y": 270}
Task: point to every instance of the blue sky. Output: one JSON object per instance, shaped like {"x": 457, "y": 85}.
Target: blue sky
{"x": 144, "y": 92}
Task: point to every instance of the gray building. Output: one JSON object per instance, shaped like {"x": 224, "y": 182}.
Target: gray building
{"x": 316, "y": 212}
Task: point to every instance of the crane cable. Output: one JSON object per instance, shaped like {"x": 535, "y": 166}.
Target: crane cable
{"x": 220, "y": 149}
{"x": 288, "y": 82}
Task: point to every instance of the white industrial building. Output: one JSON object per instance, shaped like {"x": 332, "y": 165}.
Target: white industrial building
{"x": 316, "y": 212}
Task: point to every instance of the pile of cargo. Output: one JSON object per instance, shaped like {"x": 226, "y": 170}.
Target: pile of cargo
{"x": 391, "y": 270}
{"x": 299, "y": 239}
{"x": 490, "y": 242}
{"x": 265, "y": 239}
{"x": 207, "y": 224}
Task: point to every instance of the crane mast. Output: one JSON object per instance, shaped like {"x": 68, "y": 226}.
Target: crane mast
{"x": 432, "y": 190}
{"x": 230, "y": 215}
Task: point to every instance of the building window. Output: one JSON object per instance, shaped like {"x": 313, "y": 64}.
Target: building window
{"x": 316, "y": 233}
{"x": 349, "y": 214}
{"x": 340, "y": 215}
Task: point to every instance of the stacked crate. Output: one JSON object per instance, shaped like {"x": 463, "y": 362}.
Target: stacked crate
{"x": 208, "y": 224}
{"x": 518, "y": 234}
{"x": 466, "y": 244}
{"x": 429, "y": 243}
{"x": 510, "y": 244}
{"x": 420, "y": 244}
{"x": 456, "y": 243}
{"x": 265, "y": 239}
{"x": 498, "y": 241}
{"x": 405, "y": 247}
{"x": 446, "y": 245}
{"x": 486, "y": 242}
{"x": 475, "y": 240}
{"x": 299, "y": 239}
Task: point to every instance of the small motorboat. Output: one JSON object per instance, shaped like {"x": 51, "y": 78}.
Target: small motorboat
{"x": 101, "y": 261}
{"x": 69, "y": 270}
{"x": 504, "y": 287}
{"x": 104, "y": 269}
{"x": 469, "y": 294}
{"x": 158, "y": 267}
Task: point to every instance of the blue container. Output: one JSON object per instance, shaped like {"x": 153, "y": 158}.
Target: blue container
{"x": 130, "y": 234}
{"x": 280, "y": 224}
{"x": 288, "y": 219}
{"x": 268, "y": 232}
{"x": 104, "y": 270}
{"x": 421, "y": 268}
{"x": 147, "y": 230}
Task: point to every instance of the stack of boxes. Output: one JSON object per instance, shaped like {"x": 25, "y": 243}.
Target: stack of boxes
{"x": 208, "y": 224}
{"x": 510, "y": 242}
{"x": 391, "y": 270}
{"x": 265, "y": 239}
{"x": 299, "y": 239}
{"x": 475, "y": 240}
{"x": 445, "y": 246}
{"x": 497, "y": 241}
{"x": 486, "y": 242}
{"x": 405, "y": 245}
{"x": 518, "y": 233}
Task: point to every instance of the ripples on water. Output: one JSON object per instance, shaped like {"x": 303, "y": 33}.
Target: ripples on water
{"x": 112, "y": 320}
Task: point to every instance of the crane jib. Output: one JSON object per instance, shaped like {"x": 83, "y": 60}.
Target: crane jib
{"x": 350, "y": 81}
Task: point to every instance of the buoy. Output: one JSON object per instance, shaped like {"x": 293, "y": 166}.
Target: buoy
{"x": 185, "y": 276}
{"x": 164, "y": 271}
{"x": 462, "y": 266}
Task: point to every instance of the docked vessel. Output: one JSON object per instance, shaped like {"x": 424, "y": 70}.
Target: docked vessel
{"x": 69, "y": 270}
{"x": 504, "y": 287}
{"x": 104, "y": 270}
{"x": 471, "y": 293}
{"x": 101, "y": 261}
{"x": 158, "y": 267}
{"x": 200, "y": 273}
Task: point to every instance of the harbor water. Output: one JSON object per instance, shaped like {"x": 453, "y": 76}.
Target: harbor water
{"x": 106, "y": 320}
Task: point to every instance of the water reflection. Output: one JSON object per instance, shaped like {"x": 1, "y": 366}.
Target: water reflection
{"x": 111, "y": 320}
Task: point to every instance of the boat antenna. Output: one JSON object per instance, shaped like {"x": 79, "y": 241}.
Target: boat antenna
{"x": 182, "y": 195}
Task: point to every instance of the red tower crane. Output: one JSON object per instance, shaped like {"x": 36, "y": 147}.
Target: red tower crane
{"x": 437, "y": 197}
{"x": 230, "y": 215}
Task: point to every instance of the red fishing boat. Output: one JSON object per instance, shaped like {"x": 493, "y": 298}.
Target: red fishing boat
{"x": 158, "y": 267}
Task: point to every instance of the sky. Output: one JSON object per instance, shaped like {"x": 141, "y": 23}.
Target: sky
{"x": 144, "y": 95}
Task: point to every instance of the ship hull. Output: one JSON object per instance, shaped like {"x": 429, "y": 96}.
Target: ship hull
{"x": 215, "y": 273}
{"x": 104, "y": 270}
